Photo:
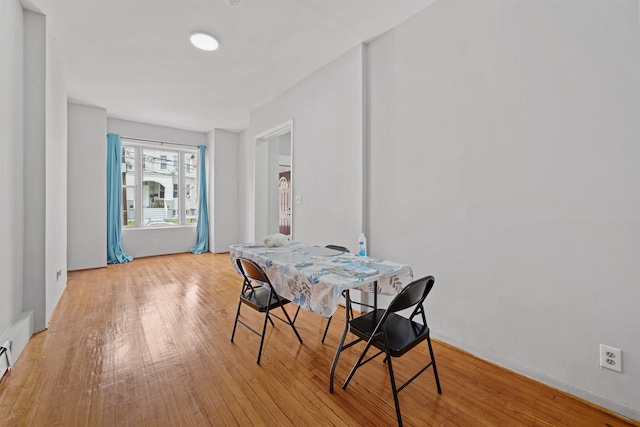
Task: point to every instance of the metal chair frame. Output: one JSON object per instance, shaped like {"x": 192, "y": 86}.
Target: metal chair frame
{"x": 377, "y": 328}
{"x": 361, "y": 304}
{"x": 262, "y": 299}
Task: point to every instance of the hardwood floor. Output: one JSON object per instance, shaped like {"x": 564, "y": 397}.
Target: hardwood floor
{"x": 148, "y": 344}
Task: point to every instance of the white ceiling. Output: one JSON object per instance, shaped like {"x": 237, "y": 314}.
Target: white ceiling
{"x": 133, "y": 57}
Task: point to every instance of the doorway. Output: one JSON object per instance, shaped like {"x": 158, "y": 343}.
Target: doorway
{"x": 274, "y": 181}
{"x": 284, "y": 205}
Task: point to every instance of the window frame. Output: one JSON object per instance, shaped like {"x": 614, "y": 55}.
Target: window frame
{"x": 180, "y": 151}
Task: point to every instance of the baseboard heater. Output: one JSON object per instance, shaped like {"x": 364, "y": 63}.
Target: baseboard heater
{"x": 5, "y": 352}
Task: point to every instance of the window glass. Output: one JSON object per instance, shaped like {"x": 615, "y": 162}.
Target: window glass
{"x": 160, "y": 173}
{"x": 128, "y": 186}
{"x": 152, "y": 180}
{"x": 190, "y": 188}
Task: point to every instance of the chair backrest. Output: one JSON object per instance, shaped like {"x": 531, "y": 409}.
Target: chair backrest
{"x": 337, "y": 248}
{"x": 251, "y": 270}
{"x": 413, "y": 294}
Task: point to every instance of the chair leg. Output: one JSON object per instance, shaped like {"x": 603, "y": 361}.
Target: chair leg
{"x": 393, "y": 388}
{"x": 264, "y": 330}
{"x": 291, "y": 322}
{"x": 433, "y": 363}
{"x": 332, "y": 372}
{"x": 326, "y": 329}
{"x": 356, "y": 366}
{"x": 235, "y": 324}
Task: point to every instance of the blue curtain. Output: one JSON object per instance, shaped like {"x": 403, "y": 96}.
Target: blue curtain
{"x": 202, "y": 231}
{"x": 115, "y": 253}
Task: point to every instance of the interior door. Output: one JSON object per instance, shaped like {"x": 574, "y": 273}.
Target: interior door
{"x": 284, "y": 205}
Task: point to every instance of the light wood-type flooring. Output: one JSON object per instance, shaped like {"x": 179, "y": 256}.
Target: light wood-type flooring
{"x": 148, "y": 344}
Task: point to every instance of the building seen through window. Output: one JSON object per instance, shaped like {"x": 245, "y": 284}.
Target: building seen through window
{"x": 159, "y": 185}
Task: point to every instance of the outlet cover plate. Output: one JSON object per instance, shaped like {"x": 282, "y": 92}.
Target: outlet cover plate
{"x": 611, "y": 358}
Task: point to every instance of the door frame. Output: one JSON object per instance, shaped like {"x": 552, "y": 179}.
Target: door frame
{"x": 262, "y": 137}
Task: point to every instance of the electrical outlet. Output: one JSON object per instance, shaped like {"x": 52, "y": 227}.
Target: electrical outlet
{"x": 610, "y": 358}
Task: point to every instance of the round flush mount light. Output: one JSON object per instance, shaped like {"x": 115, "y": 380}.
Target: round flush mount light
{"x": 204, "y": 41}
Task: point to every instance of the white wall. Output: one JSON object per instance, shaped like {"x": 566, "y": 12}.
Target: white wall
{"x": 223, "y": 189}
{"x": 87, "y": 183}
{"x": 157, "y": 241}
{"x": 56, "y": 179}
{"x": 33, "y": 139}
{"x": 129, "y": 128}
{"x": 34, "y": 166}
{"x": 326, "y": 109}
{"x": 11, "y": 185}
{"x": 87, "y": 240}
{"x": 44, "y": 171}
{"x": 246, "y": 200}
{"x": 504, "y": 161}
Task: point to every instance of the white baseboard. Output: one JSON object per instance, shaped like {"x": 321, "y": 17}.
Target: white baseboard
{"x": 18, "y": 335}
{"x": 616, "y": 407}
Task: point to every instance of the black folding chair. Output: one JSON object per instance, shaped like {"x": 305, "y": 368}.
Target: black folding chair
{"x": 262, "y": 298}
{"x": 395, "y": 335}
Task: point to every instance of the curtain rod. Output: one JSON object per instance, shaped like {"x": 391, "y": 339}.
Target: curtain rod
{"x": 156, "y": 141}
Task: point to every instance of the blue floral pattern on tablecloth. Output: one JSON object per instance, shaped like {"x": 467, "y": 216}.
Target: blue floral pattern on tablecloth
{"x": 299, "y": 274}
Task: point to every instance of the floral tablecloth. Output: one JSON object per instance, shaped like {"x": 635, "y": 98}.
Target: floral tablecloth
{"x": 299, "y": 273}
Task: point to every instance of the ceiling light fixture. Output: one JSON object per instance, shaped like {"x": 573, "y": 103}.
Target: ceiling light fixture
{"x": 204, "y": 41}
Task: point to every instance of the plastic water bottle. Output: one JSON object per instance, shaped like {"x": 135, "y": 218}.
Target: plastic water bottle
{"x": 362, "y": 245}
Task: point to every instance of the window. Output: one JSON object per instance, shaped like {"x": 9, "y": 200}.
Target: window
{"x": 157, "y": 186}
{"x": 189, "y": 161}
{"x": 190, "y": 188}
{"x": 128, "y": 185}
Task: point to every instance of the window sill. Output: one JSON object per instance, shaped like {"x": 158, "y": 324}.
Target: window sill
{"x": 159, "y": 227}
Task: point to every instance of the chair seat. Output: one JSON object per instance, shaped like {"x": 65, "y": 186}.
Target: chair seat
{"x": 404, "y": 334}
{"x": 259, "y": 299}
{"x": 395, "y": 335}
